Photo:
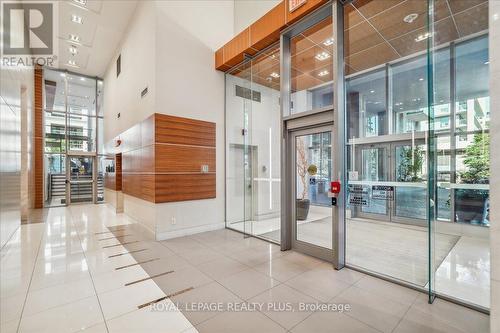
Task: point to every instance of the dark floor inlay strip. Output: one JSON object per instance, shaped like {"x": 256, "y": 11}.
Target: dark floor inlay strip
{"x": 107, "y": 232}
{"x": 137, "y": 263}
{"x": 105, "y": 247}
{"x": 124, "y": 253}
{"x": 148, "y": 278}
{"x": 114, "y": 237}
{"x": 165, "y": 297}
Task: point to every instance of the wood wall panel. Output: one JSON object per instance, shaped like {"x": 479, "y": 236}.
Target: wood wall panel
{"x": 110, "y": 181}
{"x": 233, "y": 52}
{"x": 303, "y": 10}
{"x": 262, "y": 33}
{"x": 38, "y": 138}
{"x": 170, "y": 129}
{"x": 139, "y": 185}
{"x": 175, "y": 159}
{"x": 118, "y": 171}
{"x": 266, "y": 30}
{"x": 171, "y": 188}
{"x": 161, "y": 159}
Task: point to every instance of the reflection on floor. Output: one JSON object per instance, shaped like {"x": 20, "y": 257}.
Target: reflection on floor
{"x": 88, "y": 269}
{"x": 401, "y": 251}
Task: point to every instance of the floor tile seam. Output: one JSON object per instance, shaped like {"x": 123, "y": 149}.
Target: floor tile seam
{"x": 439, "y": 319}
{"x": 91, "y": 277}
{"x": 379, "y": 295}
{"x": 403, "y": 317}
{"x": 29, "y": 285}
{"x": 58, "y": 284}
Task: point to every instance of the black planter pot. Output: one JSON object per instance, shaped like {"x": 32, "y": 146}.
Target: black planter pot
{"x": 302, "y": 209}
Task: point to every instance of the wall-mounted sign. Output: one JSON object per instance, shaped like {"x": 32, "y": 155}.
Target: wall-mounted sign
{"x": 358, "y": 195}
{"x": 380, "y": 192}
{"x": 294, "y": 4}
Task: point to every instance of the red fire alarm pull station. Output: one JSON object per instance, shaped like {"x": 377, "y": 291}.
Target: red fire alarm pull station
{"x": 335, "y": 187}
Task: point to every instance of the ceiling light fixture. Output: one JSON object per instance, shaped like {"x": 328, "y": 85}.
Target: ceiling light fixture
{"x": 322, "y": 56}
{"x": 487, "y": 62}
{"x": 410, "y": 18}
{"x": 372, "y": 91}
{"x": 63, "y": 75}
{"x": 72, "y": 63}
{"x": 76, "y": 19}
{"x": 421, "y": 79}
{"x": 422, "y": 37}
{"x": 72, "y": 49}
{"x": 323, "y": 73}
{"x": 81, "y": 2}
{"x": 82, "y": 79}
{"x": 328, "y": 42}
{"x": 74, "y": 38}
{"x": 275, "y": 75}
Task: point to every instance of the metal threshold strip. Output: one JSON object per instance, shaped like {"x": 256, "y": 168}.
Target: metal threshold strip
{"x": 137, "y": 263}
{"x": 107, "y": 232}
{"x": 148, "y": 278}
{"x": 114, "y": 237}
{"x": 105, "y": 247}
{"x": 124, "y": 253}
{"x": 165, "y": 297}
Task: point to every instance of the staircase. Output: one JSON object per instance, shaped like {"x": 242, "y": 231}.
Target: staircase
{"x": 80, "y": 192}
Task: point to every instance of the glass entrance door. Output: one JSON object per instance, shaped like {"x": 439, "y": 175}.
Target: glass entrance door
{"x": 392, "y": 177}
{"x": 312, "y": 165}
{"x": 80, "y": 175}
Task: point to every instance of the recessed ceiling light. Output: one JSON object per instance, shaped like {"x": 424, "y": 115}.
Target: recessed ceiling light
{"x": 81, "y": 2}
{"x": 422, "y": 37}
{"x": 372, "y": 91}
{"x": 72, "y": 63}
{"x": 410, "y": 18}
{"x": 322, "y": 56}
{"x": 76, "y": 19}
{"x": 486, "y": 62}
{"x": 328, "y": 42}
{"x": 421, "y": 79}
{"x": 74, "y": 38}
{"x": 82, "y": 79}
{"x": 63, "y": 75}
{"x": 72, "y": 49}
{"x": 275, "y": 75}
{"x": 323, "y": 73}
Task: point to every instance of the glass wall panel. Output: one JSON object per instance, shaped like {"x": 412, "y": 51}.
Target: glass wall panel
{"x": 70, "y": 124}
{"x": 386, "y": 122}
{"x": 253, "y": 146}
{"x": 462, "y": 154}
{"x": 311, "y": 68}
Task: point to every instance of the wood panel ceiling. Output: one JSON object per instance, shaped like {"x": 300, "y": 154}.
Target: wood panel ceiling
{"x": 375, "y": 33}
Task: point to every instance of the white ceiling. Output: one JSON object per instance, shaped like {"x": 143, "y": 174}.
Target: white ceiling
{"x": 104, "y": 23}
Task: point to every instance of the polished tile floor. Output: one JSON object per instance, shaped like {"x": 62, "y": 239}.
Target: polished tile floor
{"x": 88, "y": 269}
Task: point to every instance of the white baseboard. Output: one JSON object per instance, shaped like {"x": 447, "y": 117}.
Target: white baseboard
{"x": 189, "y": 231}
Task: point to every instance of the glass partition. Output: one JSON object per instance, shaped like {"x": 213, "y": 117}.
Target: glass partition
{"x": 461, "y": 119}
{"x": 71, "y": 124}
{"x": 311, "y": 75}
{"x": 253, "y": 146}
{"x": 417, "y": 121}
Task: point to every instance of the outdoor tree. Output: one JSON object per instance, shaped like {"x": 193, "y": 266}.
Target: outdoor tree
{"x": 302, "y": 165}
{"x": 477, "y": 160}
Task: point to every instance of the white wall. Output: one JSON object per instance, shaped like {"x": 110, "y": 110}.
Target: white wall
{"x": 494, "y": 49}
{"x": 122, "y": 94}
{"x": 170, "y": 48}
{"x": 248, "y": 11}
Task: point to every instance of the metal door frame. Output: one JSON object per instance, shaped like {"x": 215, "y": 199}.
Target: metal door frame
{"x": 298, "y": 245}
{"x": 92, "y": 155}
